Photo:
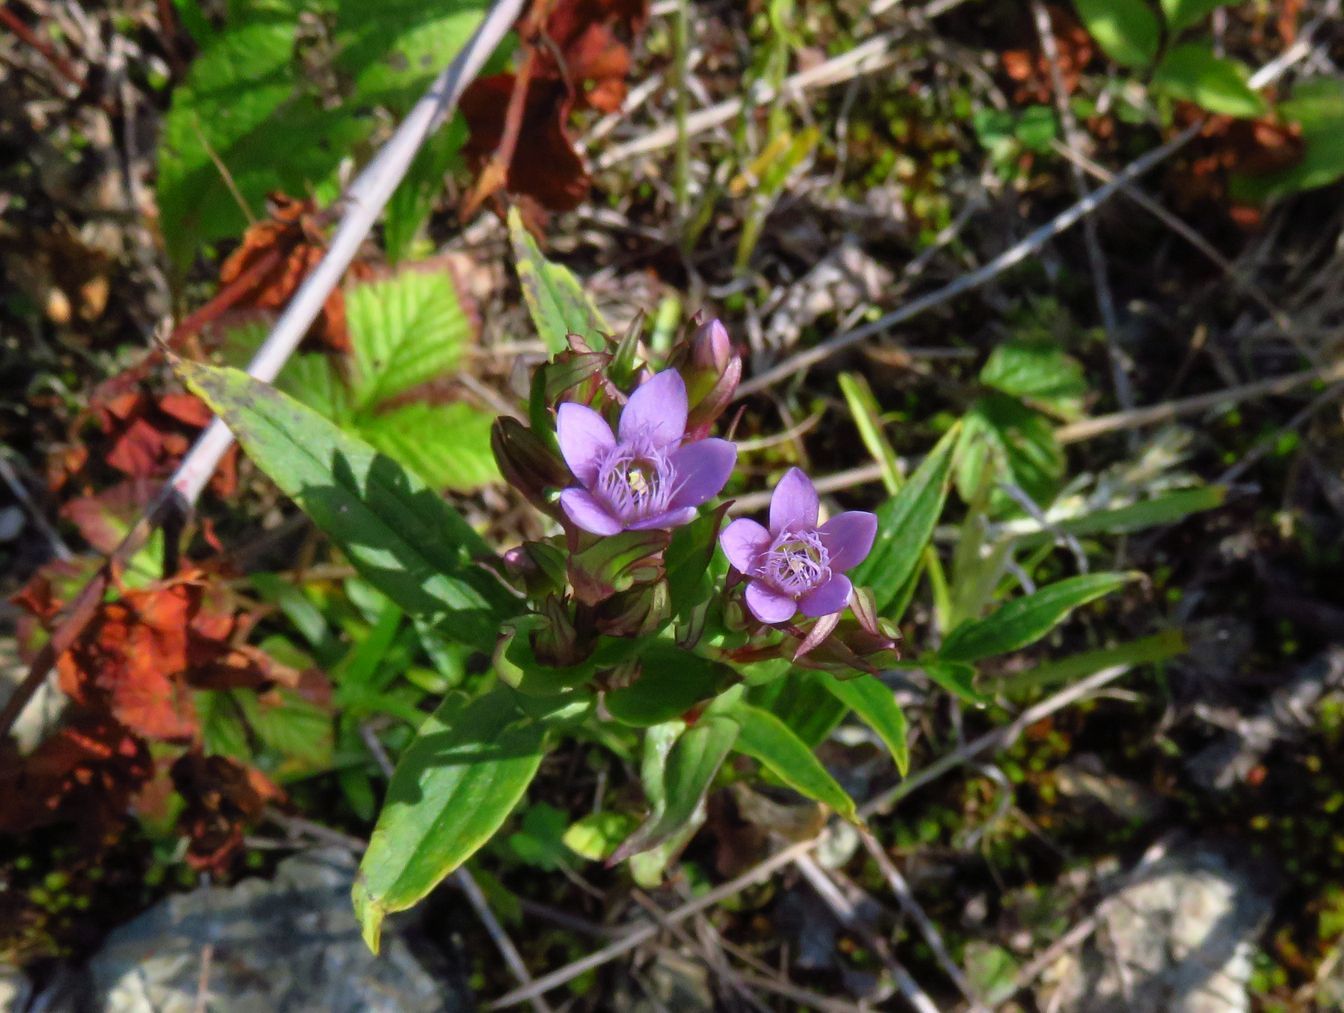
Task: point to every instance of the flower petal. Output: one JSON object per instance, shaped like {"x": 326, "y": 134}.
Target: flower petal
{"x": 794, "y": 505}
{"x": 743, "y": 542}
{"x": 585, "y": 511}
{"x": 767, "y": 604}
{"x": 848, "y": 538}
{"x": 667, "y": 519}
{"x": 656, "y": 411}
{"x": 830, "y": 597}
{"x": 584, "y": 438}
{"x": 702, "y": 470}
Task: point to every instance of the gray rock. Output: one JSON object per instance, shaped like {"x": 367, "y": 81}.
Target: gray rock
{"x": 1178, "y": 936}
{"x": 15, "y": 988}
{"x": 285, "y": 945}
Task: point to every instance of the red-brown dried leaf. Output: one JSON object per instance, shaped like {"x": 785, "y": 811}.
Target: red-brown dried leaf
{"x": 1030, "y": 71}
{"x": 145, "y": 435}
{"x": 278, "y": 254}
{"x": 574, "y": 57}
{"x": 222, "y": 798}
{"x": 85, "y": 773}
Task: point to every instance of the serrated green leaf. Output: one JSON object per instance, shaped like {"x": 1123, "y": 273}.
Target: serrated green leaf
{"x": 905, "y": 524}
{"x": 1181, "y": 14}
{"x": 1126, "y": 30}
{"x": 538, "y": 842}
{"x": 454, "y": 786}
{"x": 876, "y": 706}
{"x": 1040, "y": 374}
{"x": 393, "y": 48}
{"x": 223, "y": 732}
{"x": 401, "y": 536}
{"x": 1025, "y": 620}
{"x": 671, "y": 682}
{"x": 404, "y": 331}
{"x": 447, "y": 445}
{"x": 772, "y": 743}
{"x": 291, "y": 725}
{"x": 1194, "y": 73}
{"x": 245, "y": 109}
{"x": 678, "y": 791}
{"x": 554, "y": 297}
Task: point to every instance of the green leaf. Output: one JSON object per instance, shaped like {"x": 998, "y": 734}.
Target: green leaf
{"x": 597, "y": 835}
{"x": 1192, "y": 72}
{"x": 454, "y": 786}
{"x": 1017, "y": 443}
{"x": 554, "y": 297}
{"x": 671, "y": 682}
{"x": 1126, "y": 30}
{"x": 293, "y": 726}
{"x": 448, "y": 445}
{"x": 1181, "y": 14}
{"x": 1317, "y": 107}
{"x": 692, "y": 566}
{"x": 414, "y": 198}
{"x": 393, "y": 48}
{"x": 770, "y": 742}
{"x": 1166, "y": 508}
{"x": 404, "y": 331}
{"x": 905, "y": 524}
{"x": 957, "y": 677}
{"x": 876, "y": 705}
{"x": 801, "y": 700}
{"x": 867, "y": 415}
{"x": 538, "y": 843}
{"x": 401, "y": 536}
{"x": 679, "y": 787}
{"x": 1025, "y": 620}
{"x": 1038, "y": 373}
{"x": 247, "y": 110}
{"x": 1145, "y": 651}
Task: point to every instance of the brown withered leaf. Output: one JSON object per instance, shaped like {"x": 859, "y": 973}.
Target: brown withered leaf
{"x": 143, "y": 654}
{"x": 143, "y": 436}
{"x": 275, "y": 256}
{"x": 85, "y": 773}
{"x": 575, "y": 56}
{"x": 222, "y": 798}
{"x": 1030, "y": 71}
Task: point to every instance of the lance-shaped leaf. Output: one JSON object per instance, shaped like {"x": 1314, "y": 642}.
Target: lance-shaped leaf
{"x": 454, "y": 786}
{"x": 773, "y": 744}
{"x": 676, "y": 788}
{"x": 905, "y": 524}
{"x": 1025, "y": 620}
{"x": 400, "y": 534}
{"x": 876, "y": 706}
{"x": 554, "y": 296}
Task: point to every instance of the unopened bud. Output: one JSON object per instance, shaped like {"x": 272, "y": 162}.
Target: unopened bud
{"x": 527, "y": 463}
{"x": 712, "y": 371}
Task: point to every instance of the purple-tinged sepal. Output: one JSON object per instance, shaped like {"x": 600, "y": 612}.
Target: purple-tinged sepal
{"x": 711, "y": 370}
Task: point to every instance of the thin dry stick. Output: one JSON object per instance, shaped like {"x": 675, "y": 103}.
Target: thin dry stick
{"x": 1034, "y": 241}
{"x": 844, "y": 910}
{"x": 1101, "y": 425}
{"x": 1096, "y": 260}
{"x": 364, "y": 201}
{"x": 901, "y": 890}
{"x": 1009, "y": 258}
{"x": 763, "y": 870}
{"x": 1179, "y": 226}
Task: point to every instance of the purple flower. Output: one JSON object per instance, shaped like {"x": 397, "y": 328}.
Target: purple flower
{"x": 643, "y": 477}
{"x": 796, "y": 566}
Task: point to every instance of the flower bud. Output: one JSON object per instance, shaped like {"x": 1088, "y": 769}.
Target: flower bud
{"x": 712, "y": 371}
{"x": 527, "y": 463}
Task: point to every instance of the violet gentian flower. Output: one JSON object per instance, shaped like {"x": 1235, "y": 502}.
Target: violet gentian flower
{"x": 795, "y": 565}
{"x": 644, "y": 476}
